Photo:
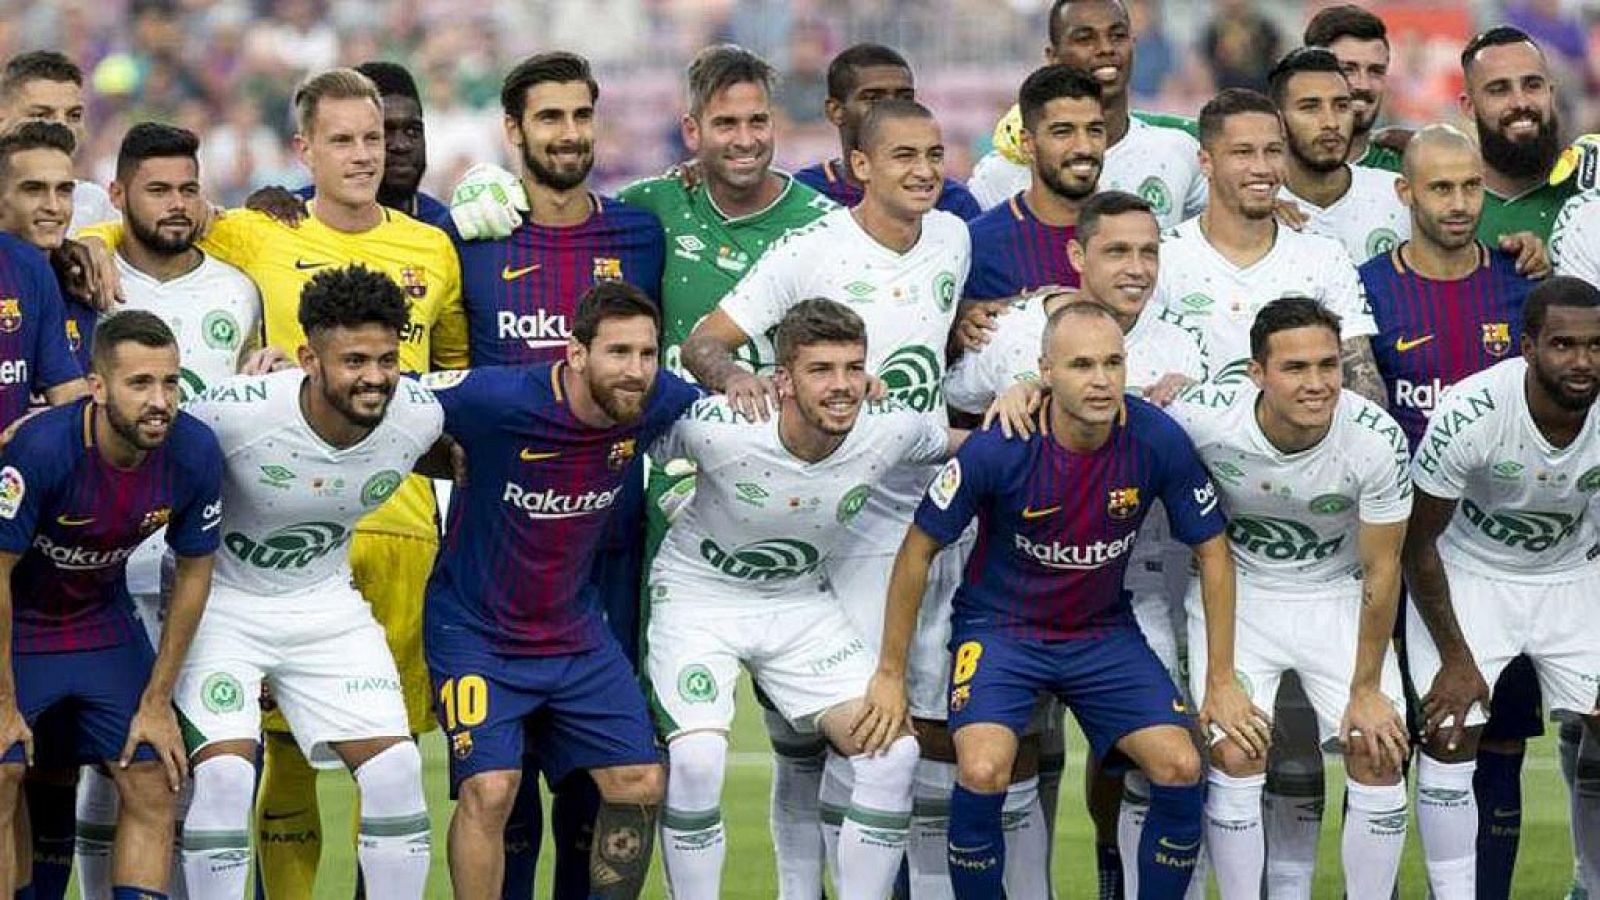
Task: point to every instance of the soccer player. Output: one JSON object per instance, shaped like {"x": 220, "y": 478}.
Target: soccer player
{"x": 520, "y": 655}
{"x": 44, "y": 85}
{"x": 1498, "y": 560}
{"x": 1057, "y": 514}
{"x": 741, "y": 579}
{"x": 1318, "y": 557}
{"x": 859, "y": 77}
{"x": 340, "y": 138}
{"x": 1021, "y": 245}
{"x": 84, "y": 484}
{"x": 214, "y": 312}
{"x": 1359, "y": 40}
{"x": 1144, "y": 155}
{"x": 1355, "y": 204}
{"x": 309, "y": 451}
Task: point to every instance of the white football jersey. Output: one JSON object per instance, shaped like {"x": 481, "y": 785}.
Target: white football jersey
{"x": 1575, "y": 238}
{"x": 1222, "y": 299}
{"x": 763, "y": 523}
{"x": 214, "y": 310}
{"x": 91, "y": 205}
{"x": 908, "y": 302}
{"x": 1368, "y": 220}
{"x": 294, "y": 499}
{"x": 1293, "y": 517}
{"x": 1523, "y": 510}
{"x": 1160, "y": 164}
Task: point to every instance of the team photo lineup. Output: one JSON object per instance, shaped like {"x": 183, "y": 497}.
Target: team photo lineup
{"x": 1260, "y": 442}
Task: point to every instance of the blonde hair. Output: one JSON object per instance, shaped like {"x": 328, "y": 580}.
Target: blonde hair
{"x": 334, "y": 84}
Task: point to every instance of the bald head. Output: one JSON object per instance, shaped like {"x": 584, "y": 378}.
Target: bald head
{"x": 1442, "y": 184}
{"x": 1435, "y": 141}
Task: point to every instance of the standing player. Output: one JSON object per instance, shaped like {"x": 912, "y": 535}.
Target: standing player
{"x": 519, "y": 652}
{"x": 214, "y": 313}
{"x": 1499, "y": 560}
{"x": 1316, "y": 485}
{"x": 309, "y": 452}
{"x": 858, "y": 78}
{"x": 46, "y": 86}
{"x": 1156, "y": 162}
{"x": 1355, "y": 204}
{"x": 84, "y": 485}
{"x": 1046, "y": 534}
{"x": 1359, "y": 40}
{"x": 742, "y": 579}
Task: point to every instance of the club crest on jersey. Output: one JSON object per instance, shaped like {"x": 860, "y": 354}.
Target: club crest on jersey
{"x": 1496, "y": 338}
{"x": 414, "y": 281}
{"x": 10, "y": 315}
{"x": 154, "y": 519}
{"x": 74, "y": 336}
{"x": 621, "y": 454}
{"x": 461, "y": 744}
{"x": 1122, "y": 503}
{"x": 607, "y": 268}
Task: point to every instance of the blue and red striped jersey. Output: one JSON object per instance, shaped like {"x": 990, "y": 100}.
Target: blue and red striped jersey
{"x": 514, "y": 565}
{"x": 521, "y": 292}
{"x": 1431, "y": 334}
{"x": 1014, "y": 253}
{"x": 1055, "y": 527}
{"x": 74, "y": 519}
{"x": 34, "y": 354}
{"x": 828, "y": 179}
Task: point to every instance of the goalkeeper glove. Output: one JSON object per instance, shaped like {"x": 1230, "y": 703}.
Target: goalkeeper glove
{"x": 675, "y": 499}
{"x": 1580, "y": 161}
{"x": 1008, "y": 137}
{"x": 488, "y": 203}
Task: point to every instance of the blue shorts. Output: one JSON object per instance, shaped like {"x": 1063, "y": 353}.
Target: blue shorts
{"x": 570, "y": 712}
{"x": 1112, "y": 682}
{"x": 90, "y": 697}
{"x": 1514, "y": 704}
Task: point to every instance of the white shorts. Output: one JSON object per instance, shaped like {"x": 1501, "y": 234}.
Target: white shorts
{"x": 1314, "y": 637}
{"x": 862, "y": 585}
{"x": 329, "y": 669}
{"x": 1161, "y": 619}
{"x": 803, "y": 652}
{"x": 1554, "y": 624}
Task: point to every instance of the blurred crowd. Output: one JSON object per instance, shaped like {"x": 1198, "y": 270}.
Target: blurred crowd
{"x": 226, "y": 68}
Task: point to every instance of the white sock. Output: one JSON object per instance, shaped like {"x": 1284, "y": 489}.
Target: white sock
{"x": 694, "y": 842}
{"x": 1291, "y": 813}
{"x": 1568, "y": 743}
{"x": 927, "y": 850}
{"x": 1586, "y": 811}
{"x": 1027, "y": 841}
{"x": 838, "y": 780}
{"x": 1374, "y": 836}
{"x": 97, "y": 826}
{"x": 1233, "y": 832}
{"x": 216, "y": 832}
{"x": 1447, "y": 820}
{"x": 872, "y": 842}
{"x": 1130, "y": 826}
{"x": 795, "y": 817}
{"x": 396, "y": 842}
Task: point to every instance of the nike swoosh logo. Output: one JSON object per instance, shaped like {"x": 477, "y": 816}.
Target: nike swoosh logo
{"x": 1506, "y": 813}
{"x": 534, "y": 456}
{"x": 275, "y": 817}
{"x": 1030, "y": 513}
{"x": 304, "y": 266}
{"x": 1401, "y": 345}
{"x": 71, "y": 521}
{"x": 1171, "y": 844}
{"x": 510, "y": 274}
{"x": 1178, "y": 707}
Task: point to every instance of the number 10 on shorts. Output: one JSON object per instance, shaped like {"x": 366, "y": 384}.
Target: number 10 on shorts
{"x": 465, "y": 701}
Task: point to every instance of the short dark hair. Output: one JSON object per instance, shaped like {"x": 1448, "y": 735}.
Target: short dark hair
{"x": 1284, "y": 314}
{"x": 842, "y": 71}
{"x": 884, "y": 111}
{"x": 1074, "y": 308}
{"x": 154, "y": 140}
{"x": 1053, "y": 26}
{"x": 136, "y": 325}
{"x": 1053, "y": 83}
{"x": 1103, "y": 204}
{"x": 39, "y": 65}
{"x": 722, "y": 66}
{"x": 816, "y": 321}
{"x": 391, "y": 79}
{"x": 350, "y": 297}
{"x": 611, "y": 300}
{"x": 34, "y": 135}
{"x": 1556, "y": 291}
{"x": 1296, "y": 61}
{"x": 558, "y": 67}
{"x": 1346, "y": 20}
{"x": 1225, "y": 105}
{"x": 1499, "y": 36}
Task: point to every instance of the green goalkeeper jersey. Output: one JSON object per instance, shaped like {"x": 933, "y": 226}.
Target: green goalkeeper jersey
{"x": 1532, "y": 210}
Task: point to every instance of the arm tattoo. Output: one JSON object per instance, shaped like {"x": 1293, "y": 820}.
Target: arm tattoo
{"x": 1361, "y": 371}
{"x": 709, "y": 362}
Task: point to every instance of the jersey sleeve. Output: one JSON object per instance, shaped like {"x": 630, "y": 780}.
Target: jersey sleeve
{"x": 1574, "y": 245}
{"x": 654, "y": 257}
{"x": 775, "y": 283}
{"x": 424, "y": 414}
{"x": 236, "y": 236}
{"x": 1193, "y": 505}
{"x": 961, "y": 487}
{"x": 671, "y": 398}
{"x": 29, "y": 472}
{"x": 220, "y": 410}
{"x": 930, "y": 440}
{"x": 53, "y": 361}
{"x": 468, "y": 398}
{"x": 194, "y": 528}
{"x": 1346, "y": 296}
{"x": 978, "y": 378}
{"x": 961, "y": 201}
{"x": 447, "y": 348}
{"x": 1385, "y": 471}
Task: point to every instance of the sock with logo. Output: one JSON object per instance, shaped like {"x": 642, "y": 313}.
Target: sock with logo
{"x": 693, "y": 839}
{"x": 51, "y": 801}
{"x": 523, "y": 835}
{"x": 795, "y": 818}
{"x": 288, "y": 820}
{"x": 1108, "y": 868}
{"x": 838, "y": 781}
{"x": 1233, "y": 832}
{"x": 1497, "y": 786}
{"x": 1586, "y": 810}
{"x": 573, "y": 807}
{"x": 1130, "y": 825}
{"x": 1027, "y": 862}
{"x": 396, "y": 840}
{"x": 216, "y": 836}
{"x": 1374, "y": 835}
{"x": 872, "y": 842}
{"x": 1170, "y": 844}
{"x": 977, "y": 844}
{"x": 97, "y": 826}
{"x": 1291, "y": 814}
{"x": 928, "y": 848}
{"x": 1447, "y": 820}
{"x": 125, "y": 892}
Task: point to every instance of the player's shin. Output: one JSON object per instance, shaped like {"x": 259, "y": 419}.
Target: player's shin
{"x": 624, "y": 837}
{"x": 1374, "y": 835}
{"x": 1293, "y": 799}
{"x": 833, "y": 800}
{"x": 1497, "y": 787}
{"x": 693, "y": 839}
{"x": 795, "y": 818}
{"x": 396, "y": 841}
{"x": 1233, "y": 832}
{"x": 1103, "y": 794}
{"x": 216, "y": 836}
{"x": 928, "y": 844}
{"x": 1447, "y": 820}
{"x": 977, "y": 843}
{"x": 573, "y": 805}
{"x": 1027, "y": 840}
{"x": 1586, "y": 807}
{"x": 288, "y": 820}
{"x": 1170, "y": 844}
{"x": 524, "y": 833}
{"x": 50, "y": 813}
{"x": 97, "y": 825}
{"x": 872, "y": 841}
{"x": 1130, "y": 826}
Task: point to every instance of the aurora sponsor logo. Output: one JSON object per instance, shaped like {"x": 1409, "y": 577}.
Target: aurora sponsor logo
{"x": 912, "y": 375}
{"x": 1534, "y": 532}
{"x": 547, "y": 504}
{"x": 1281, "y": 540}
{"x": 771, "y": 560}
{"x": 294, "y": 547}
{"x": 1075, "y": 557}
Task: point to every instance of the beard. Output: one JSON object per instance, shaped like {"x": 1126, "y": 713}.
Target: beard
{"x": 1069, "y": 190}
{"x": 1365, "y": 121}
{"x": 620, "y": 408}
{"x": 557, "y": 179}
{"x": 1437, "y": 235}
{"x": 1558, "y": 392}
{"x": 344, "y": 402}
{"x": 165, "y": 245}
{"x": 1322, "y": 165}
{"x": 128, "y": 429}
{"x": 1521, "y": 159}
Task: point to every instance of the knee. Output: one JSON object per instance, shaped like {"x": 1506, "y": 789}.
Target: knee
{"x": 1179, "y": 767}
{"x": 488, "y": 796}
{"x": 642, "y": 785}
{"x": 985, "y": 773}
{"x": 395, "y": 769}
{"x": 697, "y": 763}
{"x": 144, "y": 793}
{"x": 225, "y": 781}
{"x": 1229, "y": 758}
